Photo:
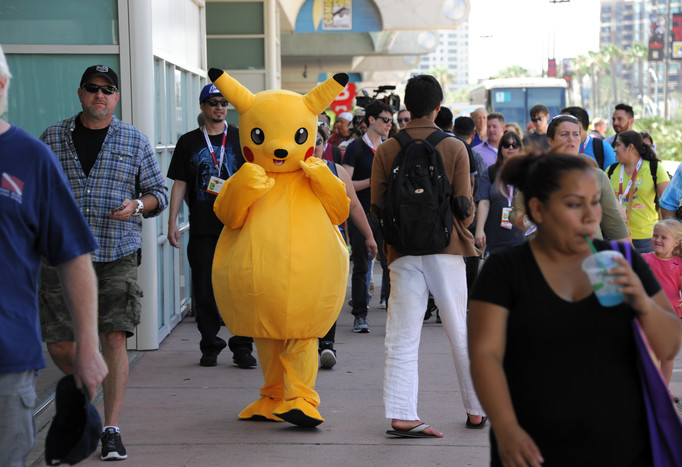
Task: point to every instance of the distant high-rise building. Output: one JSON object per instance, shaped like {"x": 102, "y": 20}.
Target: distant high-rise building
{"x": 451, "y": 54}
{"x": 625, "y": 22}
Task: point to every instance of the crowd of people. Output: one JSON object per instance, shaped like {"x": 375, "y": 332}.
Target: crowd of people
{"x": 533, "y": 205}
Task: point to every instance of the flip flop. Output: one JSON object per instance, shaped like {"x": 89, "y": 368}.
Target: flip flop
{"x": 476, "y": 426}
{"x": 414, "y": 432}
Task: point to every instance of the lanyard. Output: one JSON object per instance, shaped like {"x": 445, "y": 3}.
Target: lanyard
{"x": 587, "y": 141}
{"x": 509, "y": 195}
{"x": 622, "y": 194}
{"x": 218, "y": 165}
{"x": 365, "y": 138}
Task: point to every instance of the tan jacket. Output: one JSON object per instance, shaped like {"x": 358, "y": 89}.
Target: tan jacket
{"x": 456, "y": 164}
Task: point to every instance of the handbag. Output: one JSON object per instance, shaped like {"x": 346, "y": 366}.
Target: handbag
{"x": 665, "y": 427}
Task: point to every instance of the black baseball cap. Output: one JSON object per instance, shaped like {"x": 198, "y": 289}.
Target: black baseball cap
{"x": 100, "y": 70}
{"x": 76, "y": 428}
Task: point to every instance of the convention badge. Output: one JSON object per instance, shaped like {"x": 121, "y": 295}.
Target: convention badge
{"x": 504, "y": 222}
{"x": 215, "y": 184}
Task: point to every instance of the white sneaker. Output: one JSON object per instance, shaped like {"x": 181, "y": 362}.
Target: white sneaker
{"x": 327, "y": 359}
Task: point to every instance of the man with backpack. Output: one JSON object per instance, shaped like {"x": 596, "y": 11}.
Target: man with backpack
{"x": 426, "y": 242}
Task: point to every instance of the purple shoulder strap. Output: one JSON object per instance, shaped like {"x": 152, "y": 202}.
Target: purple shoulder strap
{"x": 626, "y": 246}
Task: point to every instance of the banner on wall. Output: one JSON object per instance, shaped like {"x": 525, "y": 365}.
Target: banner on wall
{"x": 677, "y": 37}
{"x": 344, "y": 101}
{"x": 656, "y": 38}
{"x": 337, "y": 15}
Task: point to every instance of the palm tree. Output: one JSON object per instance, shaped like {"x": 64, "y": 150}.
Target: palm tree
{"x": 582, "y": 68}
{"x": 638, "y": 53}
{"x": 514, "y": 71}
{"x": 612, "y": 55}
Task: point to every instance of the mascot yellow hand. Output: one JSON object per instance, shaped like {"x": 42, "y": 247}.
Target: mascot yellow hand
{"x": 241, "y": 190}
{"x": 328, "y": 188}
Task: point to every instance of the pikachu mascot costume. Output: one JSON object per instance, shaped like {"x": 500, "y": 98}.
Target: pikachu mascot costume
{"x": 281, "y": 266}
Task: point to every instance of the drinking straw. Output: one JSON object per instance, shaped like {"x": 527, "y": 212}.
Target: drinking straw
{"x": 594, "y": 250}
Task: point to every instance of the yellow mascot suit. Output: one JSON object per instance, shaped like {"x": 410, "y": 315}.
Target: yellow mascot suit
{"x": 281, "y": 266}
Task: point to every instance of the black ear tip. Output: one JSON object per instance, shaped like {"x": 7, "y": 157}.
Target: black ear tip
{"x": 341, "y": 78}
{"x": 215, "y": 73}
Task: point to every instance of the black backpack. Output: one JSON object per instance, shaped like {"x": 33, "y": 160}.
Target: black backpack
{"x": 415, "y": 214}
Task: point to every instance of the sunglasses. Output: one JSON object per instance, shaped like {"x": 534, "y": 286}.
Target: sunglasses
{"x": 510, "y": 144}
{"x": 215, "y": 102}
{"x": 403, "y": 120}
{"x": 385, "y": 119}
{"x": 537, "y": 119}
{"x": 322, "y": 124}
{"x": 318, "y": 141}
{"x": 93, "y": 88}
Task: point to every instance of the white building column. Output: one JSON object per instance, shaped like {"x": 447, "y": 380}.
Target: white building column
{"x": 140, "y": 76}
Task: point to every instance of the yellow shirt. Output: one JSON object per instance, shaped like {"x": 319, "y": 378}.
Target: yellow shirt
{"x": 644, "y": 214}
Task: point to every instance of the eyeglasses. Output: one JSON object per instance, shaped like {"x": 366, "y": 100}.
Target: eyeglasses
{"x": 538, "y": 119}
{"x": 385, "y": 119}
{"x": 510, "y": 144}
{"x": 318, "y": 141}
{"x": 215, "y": 102}
{"x": 403, "y": 120}
{"x": 93, "y": 88}
{"x": 568, "y": 116}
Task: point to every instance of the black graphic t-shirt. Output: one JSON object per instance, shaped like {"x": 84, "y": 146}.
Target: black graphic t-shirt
{"x": 192, "y": 163}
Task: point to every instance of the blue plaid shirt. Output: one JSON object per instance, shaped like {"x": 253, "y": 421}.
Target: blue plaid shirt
{"x": 126, "y": 167}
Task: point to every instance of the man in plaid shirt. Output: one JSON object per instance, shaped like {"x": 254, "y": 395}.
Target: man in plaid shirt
{"x": 116, "y": 180}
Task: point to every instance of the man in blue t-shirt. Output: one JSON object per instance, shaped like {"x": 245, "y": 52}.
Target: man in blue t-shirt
{"x": 597, "y": 149}
{"x": 202, "y": 160}
{"x": 39, "y": 217}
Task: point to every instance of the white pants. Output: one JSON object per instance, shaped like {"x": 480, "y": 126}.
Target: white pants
{"x": 412, "y": 277}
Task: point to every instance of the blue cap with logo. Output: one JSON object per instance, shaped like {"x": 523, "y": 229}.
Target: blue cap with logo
{"x": 209, "y": 91}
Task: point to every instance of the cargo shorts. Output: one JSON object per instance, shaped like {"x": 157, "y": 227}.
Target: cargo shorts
{"x": 118, "y": 296}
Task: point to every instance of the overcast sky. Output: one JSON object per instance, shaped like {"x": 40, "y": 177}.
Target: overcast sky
{"x": 526, "y": 33}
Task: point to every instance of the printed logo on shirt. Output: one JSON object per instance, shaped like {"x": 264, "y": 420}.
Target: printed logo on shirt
{"x": 11, "y": 187}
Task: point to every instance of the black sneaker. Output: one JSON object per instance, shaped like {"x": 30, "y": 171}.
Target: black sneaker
{"x": 327, "y": 354}
{"x": 112, "y": 447}
{"x": 244, "y": 359}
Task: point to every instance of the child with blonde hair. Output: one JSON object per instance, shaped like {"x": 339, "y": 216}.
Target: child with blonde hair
{"x": 666, "y": 263}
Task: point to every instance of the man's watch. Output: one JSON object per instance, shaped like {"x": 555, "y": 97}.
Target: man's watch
{"x": 140, "y": 207}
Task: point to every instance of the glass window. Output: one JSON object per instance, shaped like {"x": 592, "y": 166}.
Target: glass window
{"x": 52, "y": 95}
{"x": 234, "y": 18}
{"x": 92, "y": 22}
{"x": 236, "y": 54}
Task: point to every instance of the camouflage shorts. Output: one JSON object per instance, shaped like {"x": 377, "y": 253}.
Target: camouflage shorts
{"x": 118, "y": 299}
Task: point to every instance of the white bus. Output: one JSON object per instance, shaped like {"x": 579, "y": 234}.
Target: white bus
{"x": 513, "y": 97}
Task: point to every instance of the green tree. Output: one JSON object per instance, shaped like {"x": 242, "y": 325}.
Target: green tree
{"x": 581, "y": 66}
{"x": 637, "y": 54}
{"x": 514, "y": 71}
{"x": 612, "y": 55}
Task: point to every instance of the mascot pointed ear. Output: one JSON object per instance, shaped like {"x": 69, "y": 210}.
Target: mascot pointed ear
{"x": 319, "y": 98}
{"x": 239, "y": 96}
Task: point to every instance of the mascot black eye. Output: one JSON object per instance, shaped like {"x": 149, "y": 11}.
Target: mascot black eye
{"x": 301, "y": 136}
{"x": 257, "y": 136}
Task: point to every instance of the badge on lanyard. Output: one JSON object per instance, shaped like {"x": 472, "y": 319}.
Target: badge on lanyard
{"x": 215, "y": 184}
{"x": 504, "y": 220}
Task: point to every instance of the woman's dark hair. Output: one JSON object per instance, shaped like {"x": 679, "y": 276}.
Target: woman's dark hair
{"x": 538, "y": 176}
{"x": 635, "y": 138}
{"x": 551, "y": 128}
{"x": 508, "y": 135}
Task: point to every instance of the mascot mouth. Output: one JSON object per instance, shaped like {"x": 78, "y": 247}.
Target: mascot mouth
{"x": 278, "y": 161}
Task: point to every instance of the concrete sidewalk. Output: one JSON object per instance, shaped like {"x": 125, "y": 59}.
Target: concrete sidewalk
{"x": 177, "y": 413}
